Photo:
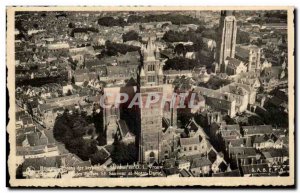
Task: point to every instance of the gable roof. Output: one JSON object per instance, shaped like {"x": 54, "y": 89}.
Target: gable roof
{"x": 262, "y": 138}
{"x": 271, "y": 153}
{"x": 185, "y": 173}
{"x": 200, "y": 162}
{"x": 233, "y": 62}
{"x": 255, "y": 168}
{"x": 123, "y": 127}
{"x": 36, "y": 163}
{"x": 233, "y": 173}
{"x": 242, "y": 151}
{"x": 236, "y": 142}
{"x": 257, "y": 129}
{"x": 232, "y": 127}
{"x": 190, "y": 141}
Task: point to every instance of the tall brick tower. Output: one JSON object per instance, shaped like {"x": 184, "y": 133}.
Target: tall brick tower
{"x": 226, "y": 39}
{"x": 150, "y": 82}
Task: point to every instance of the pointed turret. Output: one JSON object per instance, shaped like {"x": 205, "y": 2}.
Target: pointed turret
{"x": 157, "y": 53}
{"x": 160, "y": 76}
{"x": 25, "y": 143}
{"x": 160, "y": 72}
{"x": 142, "y": 76}
{"x": 149, "y": 45}
{"x": 148, "y": 53}
{"x": 142, "y": 72}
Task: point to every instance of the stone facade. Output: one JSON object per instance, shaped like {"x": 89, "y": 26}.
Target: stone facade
{"x": 151, "y": 81}
{"x": 227, "y": 36}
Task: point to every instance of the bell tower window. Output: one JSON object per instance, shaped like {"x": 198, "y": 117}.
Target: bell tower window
{"x": 151, "y": 67}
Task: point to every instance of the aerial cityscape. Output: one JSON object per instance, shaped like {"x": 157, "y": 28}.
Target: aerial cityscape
{"x": 103, "y": 94}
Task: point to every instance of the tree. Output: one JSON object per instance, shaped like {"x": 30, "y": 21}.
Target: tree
{"x": 210, "y": 33}
{"x": 242, "y": 37}
{"x": 229, "y": 120}
{"x": 135, "y": 19}
{"x": 83, "y": 30}
{"x": 124, "y": 154}
{"x": 174, "y": 36}
{"x": 29, "y": 108}
{"x": 180, "y": 49}
{"x": 112, "y": 49}
{"x": 176, "y": 19}
{"x": 35, "y": 25}
{"x": 255, "y": 120}
{"x": 98, "y": 157}
{"x": 180, "y": 63}
{"x": 73, "y": 80}
{"x": 19, "y": 172}
{"x": 69, "y": 93}
{"x": 200, "y": 29}
{"x": 71, "y": 25}
{"x": 70, "y": 129}
{"x": 110, "y": 21}
{"x": 131, "y": 35}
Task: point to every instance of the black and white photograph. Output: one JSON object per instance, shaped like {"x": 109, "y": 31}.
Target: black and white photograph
{"x": 139, "y": 96}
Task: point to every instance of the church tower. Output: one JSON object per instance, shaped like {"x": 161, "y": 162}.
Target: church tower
{"x": 151, "y": 70}
{"x": 226, "y": 36}
{"x": 150, "y": 123}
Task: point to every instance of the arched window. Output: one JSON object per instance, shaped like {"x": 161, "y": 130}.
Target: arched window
{"x": 152, "y": 155}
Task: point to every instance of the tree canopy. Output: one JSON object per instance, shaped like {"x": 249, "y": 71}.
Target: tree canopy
{"x": 189, "y": 36}
{"x": 70, "y": 129}
{"x": 112, "y": 49}
{"x": 110, "y": 21}
{"x": 131, "y": 35}
{"x": 180, "y": 63}
{"x": 242, "y": 37}
{"x": 83, "y": 30}
{"x": 173, "y": 18}
{"x": 124, "y": 154}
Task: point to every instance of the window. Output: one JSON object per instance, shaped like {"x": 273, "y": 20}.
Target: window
{"x": 151, "y": 68}
{"x": 152, "y": 157}
{"x": 184, "y": 149}
{"x": 151, "y": 79}
{"x": 195, "y": 148}
{"x": 152, "y": 154}
{"x": 190, "y": 148}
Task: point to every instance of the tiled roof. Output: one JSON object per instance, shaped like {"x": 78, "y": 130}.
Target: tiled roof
{"x": 257, "y": 129}
{"x": 272, "y": 153}
{"x": 233, "y": 173}
{"x": 232, "y": 127}
{"x": 36, "y": 163}
{"x": 255, "y": 168}
{"x": 200, "y": 162}
{"x": 233, "y": 62}
{"x": 237, "y": 142}
{"x": 185, "y": 173}
{"x": 189, "y": 141}
{"x": 240, "y": 151}
{"x": 123, "y": 127}
{"x": 261, "y": 139}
